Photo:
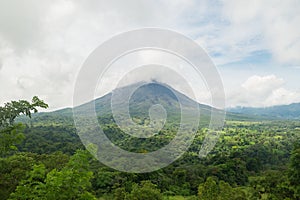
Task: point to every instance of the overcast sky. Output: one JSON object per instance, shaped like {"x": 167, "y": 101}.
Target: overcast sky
{"x": 254, "y": 44}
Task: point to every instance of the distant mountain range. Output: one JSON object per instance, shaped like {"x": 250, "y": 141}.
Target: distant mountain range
{"x": 158, "y": 93}
{"x": 291, "y": 111}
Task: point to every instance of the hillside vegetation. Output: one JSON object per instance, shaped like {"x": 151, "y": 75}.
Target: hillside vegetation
{"x": 251, "y": 160}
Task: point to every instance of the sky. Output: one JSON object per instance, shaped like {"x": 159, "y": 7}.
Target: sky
{"x": 254, "y": 44}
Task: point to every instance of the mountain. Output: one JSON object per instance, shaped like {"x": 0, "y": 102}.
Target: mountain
{"x": 56, "y": 130}
{"x": 291, "y": 111}
{"x": 145, "y": 96}
{"x": 140, "y": 102}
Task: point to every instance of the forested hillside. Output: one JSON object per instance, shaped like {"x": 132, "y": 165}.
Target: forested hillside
{"x": 252, "y": 160}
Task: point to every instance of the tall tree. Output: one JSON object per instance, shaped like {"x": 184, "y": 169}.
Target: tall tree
{"x": 11, "y": 133}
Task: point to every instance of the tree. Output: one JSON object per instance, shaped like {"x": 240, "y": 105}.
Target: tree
{"x": 13, "y": 169}
{"x": 120, "y": 193}
{"x": 211, "y": 190}
{"x": 32, "y": 187}
{"x": 208, "y": 190}
{"x": 144, "y": 191}
{"x": 9, "y": 137}
{"x": 10, "y": 133}
{"x": 226, "y": 192}
{"x": 294, "y": 170}
{"x": 13, "y": 109}
{"x": 72, "y": 182}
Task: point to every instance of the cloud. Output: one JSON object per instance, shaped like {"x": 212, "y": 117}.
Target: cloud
{"x": 242, "y": 28}
{"x": 43, "y": 44}
{"x": 20, "y": 22}
{"x": 148, "y": 65}
{"x": 262, "y": 85}
{"x": 262, "y": 91}
{"x": 275, "y": 22}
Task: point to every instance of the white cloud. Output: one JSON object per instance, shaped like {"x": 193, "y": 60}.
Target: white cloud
{"x": 243, "y": 27}
{"x": 277, "y": 22}
{"x": 262, "y": 85}
{"x": 43, "y": 44}
{"x": 20, "y": 22}
{"x": 262, "y": 91}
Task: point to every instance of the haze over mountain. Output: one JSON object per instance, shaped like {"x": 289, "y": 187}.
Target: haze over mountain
{"x": 291, "y": 111}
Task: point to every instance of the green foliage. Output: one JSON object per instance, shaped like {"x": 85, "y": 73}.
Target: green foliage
{"x": 249, "y": 162}
{"x": 208, "y": 190}
{"x": 10, "y": 137}
{"x": 271, "y": 184}
{"x": 15, "y": 168}
{"x": 12, "y": 170}
{"x": 49, "y": 138}
{"x": 13, "y": 109}
{"x": 219, "y": 191}
{"x": 72, "y": 182}
{"x": 225, "y": 191}
{"x": 32, "y": 187}
{"x": 120, "y": 193}
{"x": 144, "y": 191}
{"x": 10, "y": 133}
{"x": 294, "y": 170}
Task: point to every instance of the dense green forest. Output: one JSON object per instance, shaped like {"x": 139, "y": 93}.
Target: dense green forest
{"x": 45, "y": 159}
